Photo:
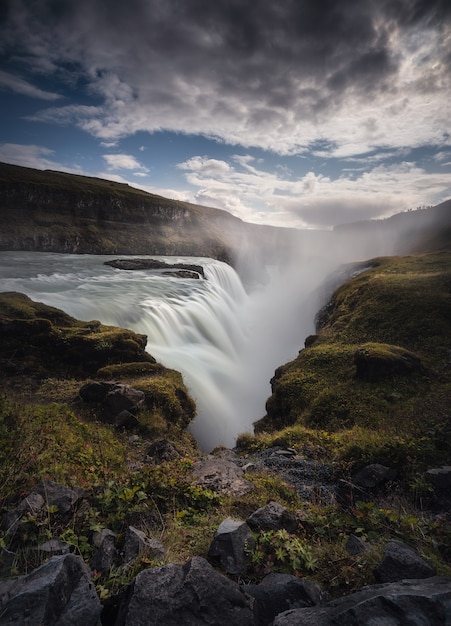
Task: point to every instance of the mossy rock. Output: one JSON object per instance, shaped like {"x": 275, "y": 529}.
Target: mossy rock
{"x": 44, "y": 341}
{"x": 377, "y": 361}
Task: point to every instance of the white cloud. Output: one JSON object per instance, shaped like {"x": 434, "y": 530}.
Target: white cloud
{"x": 124, "y": 162}
{"x": 19, "y": 85}
{"x": 38, "y": 157}
{"x": 315, "y": 200}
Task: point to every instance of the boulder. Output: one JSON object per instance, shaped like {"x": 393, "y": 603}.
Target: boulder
{"x": 273, "y": 516}
{"x": 440, "y": 478}
{"x": 33, "y": 503}
{"x": 193, "y": 594}
{"x": 126, "y": 420}
{"x": 380, "y": 361}
{"x": 373, "y": 476}
{"x": 119, "y": 402}
{"x": 221, "y": 475}
{"x": 231, "y": 547}
{"x": 162, "y": 450}
{"x": 95, "y": 391}
{"x": 122, "y": 398}
{"x": 136, "y": 542}
{"x": 106, "y": 553}
{"x": 356, "y": 546}
{"x": 59, "y": 593}
{"x": 53, "y": 547}
{"x": 281, "y": 592}
{"x": 401, "y": 561}
{"x": 425, "y": 602}
{"x": 65, "y": 499}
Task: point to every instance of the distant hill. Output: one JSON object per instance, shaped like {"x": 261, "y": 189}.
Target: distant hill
{"x": 416, "y": 231}
{"x": 59, "y": 212}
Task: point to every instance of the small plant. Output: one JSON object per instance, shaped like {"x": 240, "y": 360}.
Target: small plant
{"x": 278, "y": 550}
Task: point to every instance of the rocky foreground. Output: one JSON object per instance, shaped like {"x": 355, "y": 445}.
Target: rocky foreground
{"x": 217, "y": 589}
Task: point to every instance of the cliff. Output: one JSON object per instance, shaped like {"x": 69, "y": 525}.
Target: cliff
{"x": 57, "y": 212}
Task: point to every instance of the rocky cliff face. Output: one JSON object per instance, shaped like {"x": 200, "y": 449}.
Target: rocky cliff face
{"x": 57, "y": 212}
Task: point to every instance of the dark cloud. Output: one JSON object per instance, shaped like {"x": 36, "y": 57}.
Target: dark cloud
{"x": 248, "y": 61}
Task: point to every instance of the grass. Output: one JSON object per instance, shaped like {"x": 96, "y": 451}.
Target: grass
{"x": 379, "y": 364}
{"x": 319, "y": 406}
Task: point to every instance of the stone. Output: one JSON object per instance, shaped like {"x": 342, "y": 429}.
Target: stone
{"x": 440, "y": 478}
{"x": 126, "y": 420}
{"x": 122, "y": 398}
{"x": 136, "y": 542}
{"x": 64, "y": 498}
{"x": 281, "y": 592}
{"x": 373, "y": 476}
{"x": 273, "y": 516}
{"x": 106, "y": 553}
{"x": 54, "y": 546}
{"x": 231, "y": 546}
{"x": 356, "y": 546}
{"x": 401, "y": 561}
{"x": 193, "y": 594}
{"x": 162, "y": 450}
{"x": 95, "y": 391}
{"x": 58, "y": 593}
{"x": 33, "y": 503}
{"x": 425, "y": 602}
{"x": 221, "y": 475}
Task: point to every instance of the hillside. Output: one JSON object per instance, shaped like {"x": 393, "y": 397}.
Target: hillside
{"x": 58, "y": 212}
{"x": 423, "y": 230}
{"x": 376, "y": 378}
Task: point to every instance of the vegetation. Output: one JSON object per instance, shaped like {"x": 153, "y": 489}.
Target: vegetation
{"x": 376, "y": 378}
{"x": 373, "y": 386}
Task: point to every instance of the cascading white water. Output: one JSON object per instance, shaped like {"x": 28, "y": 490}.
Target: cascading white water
{"x": 226, "y": 342}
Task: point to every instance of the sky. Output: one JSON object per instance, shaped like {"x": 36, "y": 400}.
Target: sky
{"x": 297, "y": 113}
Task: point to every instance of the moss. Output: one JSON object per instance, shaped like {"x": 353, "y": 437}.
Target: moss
{"x": 40, "y": 339}
{"x": 378, "y": 367}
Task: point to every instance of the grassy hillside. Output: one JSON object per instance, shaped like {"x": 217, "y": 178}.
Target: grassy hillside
{"x": 376, "y": 379}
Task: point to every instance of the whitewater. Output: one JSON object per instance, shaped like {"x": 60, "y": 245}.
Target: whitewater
{"x": 225, "y": 340}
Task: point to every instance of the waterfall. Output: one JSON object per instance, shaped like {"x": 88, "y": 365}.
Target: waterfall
{"x": 225, "y": 341}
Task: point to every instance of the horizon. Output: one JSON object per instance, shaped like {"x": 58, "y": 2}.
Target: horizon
{"x": 299, "y": 115}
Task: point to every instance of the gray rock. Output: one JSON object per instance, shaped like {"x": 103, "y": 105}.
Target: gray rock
{"x": 136, "y": 542}
{"x": 440, "y": 478}
{"x": 65, "y": 498}
{"x": 33, "y": 503}
{"x": 356, "y": 546}
{"x": 59, "y": 593}
{"x": 373, "y": 476}
{"x": 400, "y": 561}
{"x": 221, "y": 475}
{"x": 54, "y": 546}
{"x": 126, "y": 420}
{"x": 106, "y": 553}
{"x": 273, "y": 516}
{"x": 232, "y": 545}
{"x": 410, "y": 602}
{"x": 122, "y": 398}
{"x": 194, "y": 594}
{"x": 95, "y": 391}
{"x": 281, "y": 592}
{"x": 162, "y": 450}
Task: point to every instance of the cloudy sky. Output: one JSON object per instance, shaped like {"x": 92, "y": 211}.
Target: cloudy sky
{"x": 303, "y": 113}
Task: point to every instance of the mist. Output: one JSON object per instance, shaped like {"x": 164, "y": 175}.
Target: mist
{"x": 226, "y": 334}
